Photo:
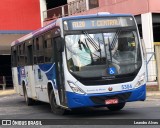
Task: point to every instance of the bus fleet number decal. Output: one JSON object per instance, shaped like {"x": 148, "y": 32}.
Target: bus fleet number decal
{"x": 127, "y": 87}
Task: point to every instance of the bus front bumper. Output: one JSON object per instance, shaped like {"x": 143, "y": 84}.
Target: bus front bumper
{"x": 90, "y": 100}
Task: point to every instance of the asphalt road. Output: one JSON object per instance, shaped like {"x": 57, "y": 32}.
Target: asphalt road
{"x": 14, "y": 107}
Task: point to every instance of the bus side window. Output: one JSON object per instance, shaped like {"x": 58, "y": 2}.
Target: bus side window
{"x": 18, "y": 58}
{"x": 47, "y": 45}
{"x": 39, "y": 50}
{"x": 37, "y": 43}
{"x": 14, "y": 57}
{"x": 30, "y": 55}
{"x": 34, "y": 52}
{"x": 48, "y": 50}
{"x": 29, "y": 49}
{"x": 22, "y": 54}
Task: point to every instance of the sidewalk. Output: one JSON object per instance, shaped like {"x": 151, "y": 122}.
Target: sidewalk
{"x": 11, "y": 91}
{"x": 7, "y": 92}
{"x": 153, "y": 93}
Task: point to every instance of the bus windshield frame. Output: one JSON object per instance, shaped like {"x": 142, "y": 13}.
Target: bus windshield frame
{"x": 111, "y": 64}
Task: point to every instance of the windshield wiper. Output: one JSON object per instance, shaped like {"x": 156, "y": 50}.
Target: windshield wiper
{"x": 110, "y": 49}
{"x": 86, "y": 48}
{"x": 89, "y": 38}
{"x": 113, "y": 43}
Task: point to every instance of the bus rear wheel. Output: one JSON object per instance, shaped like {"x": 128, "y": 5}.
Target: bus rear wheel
{"x": 116, "y": 107}
{"x": 54, "y": 107}
{"x": 28, "y": 100}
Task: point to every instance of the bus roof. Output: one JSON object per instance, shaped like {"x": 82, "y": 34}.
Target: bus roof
{"x": 36, "y": 32}
{"x": 56, "y": 22}
{"x": 94, "y": 16}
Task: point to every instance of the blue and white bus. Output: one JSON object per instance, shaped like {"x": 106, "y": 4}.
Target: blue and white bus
{"x": 81, "y": 61}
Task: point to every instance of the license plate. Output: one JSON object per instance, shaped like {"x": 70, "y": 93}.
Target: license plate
{"x": 111, "y": 101}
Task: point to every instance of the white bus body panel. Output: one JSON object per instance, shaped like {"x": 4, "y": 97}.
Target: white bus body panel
{"x": 41, "y": 84}
{"x": 30, "y": 82}
{"x": 15, "y": 80}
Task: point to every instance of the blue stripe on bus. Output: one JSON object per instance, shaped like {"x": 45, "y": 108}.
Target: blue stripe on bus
{"x": 50, "y": 71}
{"x": 19, "y": 76}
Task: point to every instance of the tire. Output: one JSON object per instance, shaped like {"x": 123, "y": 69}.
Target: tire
{"x": 28, "y": 100}
{"x": 116, "y": 107}
{"x": 54, "y": 107}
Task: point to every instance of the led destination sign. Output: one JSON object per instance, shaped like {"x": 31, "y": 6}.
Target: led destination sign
{"x": 98, "y": 23}
{"x": 95, "y": 23}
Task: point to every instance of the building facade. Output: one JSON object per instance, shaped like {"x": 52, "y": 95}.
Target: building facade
{"x": 17, "y": 18}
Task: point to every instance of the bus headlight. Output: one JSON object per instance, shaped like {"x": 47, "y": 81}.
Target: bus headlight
{"x": 75, "y": 88}
{"x": 141, "y": 80}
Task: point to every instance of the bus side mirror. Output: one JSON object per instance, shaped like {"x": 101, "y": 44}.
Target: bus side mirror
{"x": 60, "y": 44}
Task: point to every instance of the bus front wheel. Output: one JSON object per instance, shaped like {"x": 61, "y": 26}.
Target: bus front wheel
{"x": 116, "y": 107}
{"x": 54, "y": 107}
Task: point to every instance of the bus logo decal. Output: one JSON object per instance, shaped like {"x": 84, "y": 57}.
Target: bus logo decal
{"x": 110, "y": 89}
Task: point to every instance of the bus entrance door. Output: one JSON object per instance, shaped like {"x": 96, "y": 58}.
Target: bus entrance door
{"x": 30, "y": 72}
{"x": 59, "y": 72}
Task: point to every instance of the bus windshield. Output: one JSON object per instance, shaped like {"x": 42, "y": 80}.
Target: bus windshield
{"x": 103, "y": 54}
